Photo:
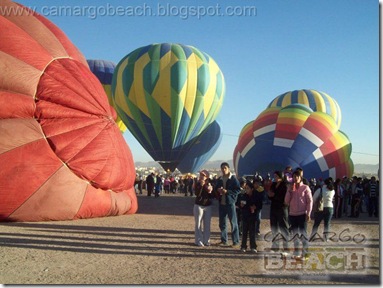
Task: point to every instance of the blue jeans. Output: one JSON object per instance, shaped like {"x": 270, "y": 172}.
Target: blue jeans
{"x": 228, "y": 211}
{"x": 257, "y": 220}
{"x": 299, "y": 233}
{"x": 325, "y": 215}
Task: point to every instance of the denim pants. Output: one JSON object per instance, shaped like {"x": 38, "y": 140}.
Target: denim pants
{"x": 202, "y": 217}
{"x": 324, "y": 215}
{"x": 225, "y": 212}
{"x": 279, "y": 227}
{"x": 249, "y": 223}
{"x": 299, "y": 233}
{"x": 257, "y": 220}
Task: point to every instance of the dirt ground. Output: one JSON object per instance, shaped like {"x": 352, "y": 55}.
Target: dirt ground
{"x": 156, "y": 246}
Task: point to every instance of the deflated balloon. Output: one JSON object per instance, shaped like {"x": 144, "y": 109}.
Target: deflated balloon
{"x": 104, "y": 69}
{"x": 62, "y": 156}
{"x": 167, "y": 95}
{"x": 294, "y": 135}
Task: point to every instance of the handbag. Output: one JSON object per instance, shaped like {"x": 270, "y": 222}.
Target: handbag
{"x": 318, "y": 204}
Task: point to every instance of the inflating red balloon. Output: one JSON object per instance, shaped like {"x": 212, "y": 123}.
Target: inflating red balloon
{"x": 62, "y": 156}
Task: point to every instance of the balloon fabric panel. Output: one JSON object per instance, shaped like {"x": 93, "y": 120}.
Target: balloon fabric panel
{"x": 316, "y": 100}
{"x": 203, "y": 148}
{"x": 172, "y": 88}
{"x": 104, "y": 70}
{"x": 317, "y": 145}
{"x": 46, "y": 93}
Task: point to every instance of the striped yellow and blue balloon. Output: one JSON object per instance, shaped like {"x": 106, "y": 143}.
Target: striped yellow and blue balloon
{"x": 104, "y": 69}
{"x": 167, "y": 94}
{"x": 316, "y": 100}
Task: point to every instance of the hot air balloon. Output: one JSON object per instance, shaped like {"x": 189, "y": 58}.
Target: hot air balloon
{"x": 294, "y": 135}
{"x": 103, "y": 69}
{"x": 204, "y": 147}
{"x": 167, "y": 94}
{"x": 62, "y": 156}
{"x": 316, "y": 100}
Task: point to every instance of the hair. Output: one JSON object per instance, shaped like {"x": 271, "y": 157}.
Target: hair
{"x": 242, "y": 181}
{"x": 279, "y": 173}
{"x": 250, "y": 183}
{"x": 329, "y": 183}
{"x": 297, "y": 173}
{"x": 298, "y": 170}
{"x": 225, "y": 164}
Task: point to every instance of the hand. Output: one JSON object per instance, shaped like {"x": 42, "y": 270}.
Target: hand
{"x": 308, "y": 219}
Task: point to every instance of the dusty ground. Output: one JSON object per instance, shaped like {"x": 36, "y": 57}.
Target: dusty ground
{"x": 155, "y": 246}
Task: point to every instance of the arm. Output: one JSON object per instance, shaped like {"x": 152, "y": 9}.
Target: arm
{"x": 309, "y": 203}
{"x": 232, "y": 188}
{"x": 287, "y": 197}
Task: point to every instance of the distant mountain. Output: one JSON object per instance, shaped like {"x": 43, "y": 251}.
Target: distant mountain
{"x": 366, "y": 168}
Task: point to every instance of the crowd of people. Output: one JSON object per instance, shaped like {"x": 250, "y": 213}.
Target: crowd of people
{"x": 291, "y": 197}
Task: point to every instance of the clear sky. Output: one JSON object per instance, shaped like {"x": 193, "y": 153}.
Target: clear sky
{"x": 264, "y": 48}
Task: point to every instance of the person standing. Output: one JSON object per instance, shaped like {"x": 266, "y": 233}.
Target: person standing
{"x": 249, "y": 203}
{"x": 356, "y": 192}
{"x": 279, "y": 222}
{"x": 157, "y": 185}
{"x": 242, "y": 184}
{"x": 150, "y": 184}
{"x": 228, "y": 189}
{"x": 339, "y": 194}
{"x": 202, "y": 209}
{"x": 328, "y": 193}
{"x": 373, "y": 197}
{"x": 259, "y": 193}
{"x": 300, "y": 202}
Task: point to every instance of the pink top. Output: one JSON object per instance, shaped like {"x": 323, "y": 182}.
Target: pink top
{"x": 299, "y": 200}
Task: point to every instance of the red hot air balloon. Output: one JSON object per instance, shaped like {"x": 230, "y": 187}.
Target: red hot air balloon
{"x": 62, "y": 156}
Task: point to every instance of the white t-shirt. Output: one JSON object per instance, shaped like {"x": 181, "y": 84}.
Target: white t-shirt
{"x": 328, "y": 196}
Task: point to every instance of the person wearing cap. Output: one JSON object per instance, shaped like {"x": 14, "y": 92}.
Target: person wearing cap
{"x": 202, "y": 209}
{"x": 227, "y": 189}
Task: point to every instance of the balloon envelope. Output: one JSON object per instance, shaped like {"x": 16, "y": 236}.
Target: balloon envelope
{"x": 316, "y": 100}
{"x": 62, "y": 155}
{"x": 294, "y": 135}
{"x": 104, "y": 69}
{"x": 167, "y": 94}
{"x": 204, "y": 147}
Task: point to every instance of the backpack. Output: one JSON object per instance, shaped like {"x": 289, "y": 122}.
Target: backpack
{"x": 318, "y": 204}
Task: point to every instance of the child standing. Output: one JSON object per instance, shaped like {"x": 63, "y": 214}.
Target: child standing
{"x": 249, "y": 204}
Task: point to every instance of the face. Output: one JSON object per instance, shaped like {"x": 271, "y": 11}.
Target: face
{"x": 248, "y": 189}
{"x": 225, "y": 170}
{"x": 297, "y": 178}
{"x": 202, "y": 176}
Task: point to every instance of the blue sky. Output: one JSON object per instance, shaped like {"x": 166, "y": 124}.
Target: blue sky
{"x": 264, "y": 48}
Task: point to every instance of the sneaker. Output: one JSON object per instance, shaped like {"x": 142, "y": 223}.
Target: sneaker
{"x": 253, "y": 251}
{"x": 199, "y": 244}
{"x": 206, "y": 244}
{"x": 285, "y": 254}
{"x": 243, "y": 250}
{"x": 235, "y": 245}
{"x": 223, "y": 244}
